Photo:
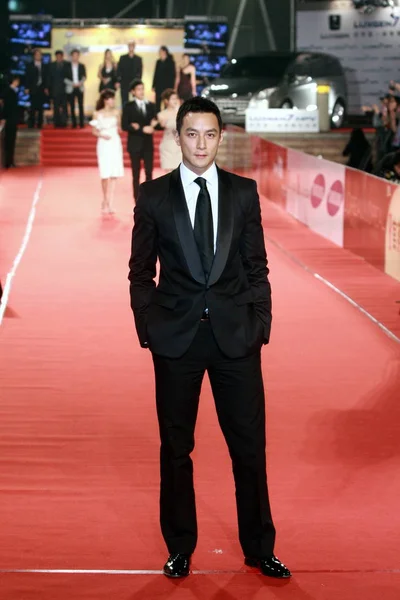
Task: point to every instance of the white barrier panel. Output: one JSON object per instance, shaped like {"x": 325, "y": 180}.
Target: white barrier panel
{"x": 316, "y": 194}
{"x": 281, "y": 120}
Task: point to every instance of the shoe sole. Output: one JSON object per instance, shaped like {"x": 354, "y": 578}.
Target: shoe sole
{"x": 175, "y": 576}
{"x": 255, "y": 564}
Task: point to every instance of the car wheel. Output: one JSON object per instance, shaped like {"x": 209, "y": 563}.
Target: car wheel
{"x": 338, "y": 114}
{"x": 286, "y": 104}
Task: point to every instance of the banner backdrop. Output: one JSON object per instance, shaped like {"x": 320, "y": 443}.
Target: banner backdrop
{"x": 315, "y": 194}
{"x": 367, "y": 46}
{"x": 94, "y": 41}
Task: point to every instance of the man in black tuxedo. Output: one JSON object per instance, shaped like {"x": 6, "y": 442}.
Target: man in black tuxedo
{"x": 57, "y": 89}
{"x": 74, "y": 79}
{"x": 10, "y": 117}
{"x": 130, "y": 67}
{"x": 138, "y": 119}
{"x": 36, "y": 87}
{"x": 211, "y": 311}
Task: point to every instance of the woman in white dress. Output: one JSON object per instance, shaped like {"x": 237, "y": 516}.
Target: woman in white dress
{"x": 170, "y": 152}
{"x": 106, "y": 126}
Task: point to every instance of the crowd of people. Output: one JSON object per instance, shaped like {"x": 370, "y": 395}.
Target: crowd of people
{"x": 382, "y": 158}
{"x": 62, "y": 83}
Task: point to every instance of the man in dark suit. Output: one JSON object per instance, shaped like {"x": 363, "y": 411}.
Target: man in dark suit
{"x": 10, "y": 117}
{"x": 74, "y": 79}
{"x": 36, "y": 86}
{"x": 211, "y": 311}
{"x": 57, "y": 89}
{"x": 130, "y": 67}
{"x": 138, "y": 119}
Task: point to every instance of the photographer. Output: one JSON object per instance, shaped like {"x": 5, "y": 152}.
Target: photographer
{"x": 389, "y": 167}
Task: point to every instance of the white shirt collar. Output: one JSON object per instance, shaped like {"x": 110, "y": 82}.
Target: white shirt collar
{"x": 188, "y": 177}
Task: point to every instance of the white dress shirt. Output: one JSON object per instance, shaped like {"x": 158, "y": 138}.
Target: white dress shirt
{"x": 141, "y": 105}
{"x": 192, "y": 190}
{"x": 38, "y": 65}
{"x": 75, "y": 72}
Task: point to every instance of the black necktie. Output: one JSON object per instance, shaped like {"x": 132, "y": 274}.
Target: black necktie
{"x": 203, "y": 227}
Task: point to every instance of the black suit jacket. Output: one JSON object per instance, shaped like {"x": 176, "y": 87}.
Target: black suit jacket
{"x": 68, "y": 75}
{"x": 10, "y": 109}
{"x": 56, "y": 76}
{"x": 237, "y": 293}
{"x": 129, "y": 69}
{"x": 32, "y": 78}
{"x": 137, "y": 139}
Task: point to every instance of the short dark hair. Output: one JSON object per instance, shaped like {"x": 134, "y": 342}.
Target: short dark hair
{"x": 198, "y": 104}
{"x": 135, "y": 83}
{"x": 396, "y": 157}
{"x": 75, "y": 50}
{"x": 165, "y": 49}
{"x": 59, "y": 53}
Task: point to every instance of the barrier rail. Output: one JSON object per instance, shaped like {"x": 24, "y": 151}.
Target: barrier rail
{"x": 354, "y": 210}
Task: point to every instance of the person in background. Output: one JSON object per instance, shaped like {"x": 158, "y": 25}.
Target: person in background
{"x": 164, "y": 75}
{"x": 9, "y": 119}
{"x": 138, "y": 119}
{"x": 170, "y": 152}
{"x": 130, "y": 68}
{"x": 106, "y": 125}
{"x": 74, "y": 78}
{"x": 185, "y": 83}
{"x": 107, "y": 73}
{"x": 381, "y": 123}
{"x": 36, "y": 87}
{"x": 389, "y": 167}
{"x": 394, "y": 123}
{"x": 57, "y": 91}
{"x": 358, "y": 150}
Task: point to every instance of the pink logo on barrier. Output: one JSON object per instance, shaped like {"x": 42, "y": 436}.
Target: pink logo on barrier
{"x": 318, "y": 190}
{"x": 335, "y": 198}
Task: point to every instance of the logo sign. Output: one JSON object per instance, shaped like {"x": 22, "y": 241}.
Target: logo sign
{"x": 335, "y": 198}
{"x": 318, "y": 190}
{"x": 281, "y": 120}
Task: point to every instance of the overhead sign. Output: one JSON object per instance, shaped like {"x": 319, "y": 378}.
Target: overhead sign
{"x": 281, "y": 120}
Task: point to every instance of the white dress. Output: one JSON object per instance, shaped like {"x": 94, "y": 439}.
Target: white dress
{"x": 170, "y": 152}
{"x": 109, "y": 152}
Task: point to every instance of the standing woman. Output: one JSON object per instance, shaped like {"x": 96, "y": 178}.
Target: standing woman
{"x": 107, "y": 73}
{"x": 186, "y": 80}
{"x": 170, "y": 152}
{"x": 106, "y": 126}
{"x": 164, "y": 74}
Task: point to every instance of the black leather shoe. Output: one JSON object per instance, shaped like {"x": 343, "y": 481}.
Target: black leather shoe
{"x": 177, "y": 565}
{"x": 270, "y": 566}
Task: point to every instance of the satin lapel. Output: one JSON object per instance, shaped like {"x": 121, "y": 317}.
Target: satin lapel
{"x": 184, "y": 227}
{"x": 225, "y": 226}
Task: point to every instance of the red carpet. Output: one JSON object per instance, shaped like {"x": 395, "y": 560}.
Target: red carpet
{"x": 78, "y": 432}
{"x": 77, "y": 148}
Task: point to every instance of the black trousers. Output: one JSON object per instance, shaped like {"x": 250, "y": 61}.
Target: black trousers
{"x": 239, "y": 399}
{"x": 78, "y": 95}
{"x": 10, "y": 138}
{"x": 124, "y": 94}
{"x": 60, "y": 111}
{"x": 158, "y": 100}
{"x": 36, "y": 109}
{"x": 146, "y": 154}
